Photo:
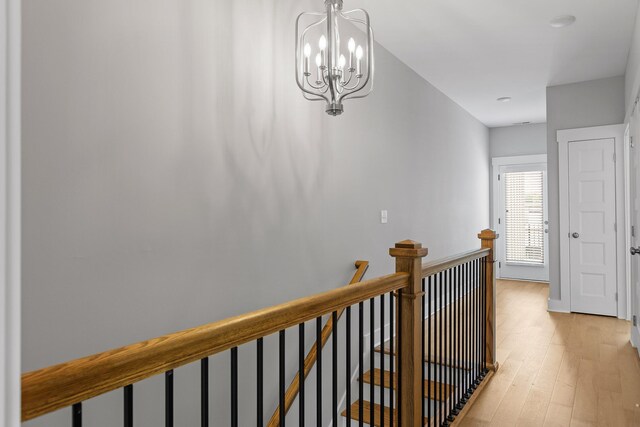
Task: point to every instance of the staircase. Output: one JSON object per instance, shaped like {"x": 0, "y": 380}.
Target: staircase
{"x": 436, "y": 394}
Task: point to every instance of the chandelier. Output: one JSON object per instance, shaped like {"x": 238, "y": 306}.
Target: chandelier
{"x": 337, "y": 74}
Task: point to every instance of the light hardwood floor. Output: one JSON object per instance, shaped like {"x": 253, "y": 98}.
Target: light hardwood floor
{"x": 557, "y": 369}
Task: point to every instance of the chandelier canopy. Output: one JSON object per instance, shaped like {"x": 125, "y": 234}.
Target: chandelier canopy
{"x": 338, "y": 74}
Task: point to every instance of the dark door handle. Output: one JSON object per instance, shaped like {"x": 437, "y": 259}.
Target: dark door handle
{"x": 575, "y": 235}
{"x": 635, "y": 251}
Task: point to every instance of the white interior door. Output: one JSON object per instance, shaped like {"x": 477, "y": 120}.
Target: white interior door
{"x": 522, "y": 222}
{"x": 634, "y": 192}
{"x": 592, "y": 226}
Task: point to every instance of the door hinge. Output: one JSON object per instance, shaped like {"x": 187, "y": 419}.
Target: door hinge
{"x": 498, "y": 177}
{"x": 499, "y": 220}
{"x": 633, "y": 231}
{"x": 499, "y": 264}
{"x": 635, "y": 320}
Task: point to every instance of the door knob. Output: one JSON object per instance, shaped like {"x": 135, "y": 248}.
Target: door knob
{"x": 635, "y": 251}
{"x": 575, "y": 235}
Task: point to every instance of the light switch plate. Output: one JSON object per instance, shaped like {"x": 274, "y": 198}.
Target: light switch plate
{"x": 383, "y": 217}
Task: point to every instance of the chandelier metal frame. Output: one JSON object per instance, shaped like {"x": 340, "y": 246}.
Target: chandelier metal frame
{"x": 335, "y": 79}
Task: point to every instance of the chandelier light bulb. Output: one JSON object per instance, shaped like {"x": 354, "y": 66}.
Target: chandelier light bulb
{"x": 352, "y": 45}
{"x": 307, "y": 50}
{"x": 322, "y": 44}
{"x": 318, "y": 60}
{"x": 359, "y": 52}
{"x": 342, "y": 61}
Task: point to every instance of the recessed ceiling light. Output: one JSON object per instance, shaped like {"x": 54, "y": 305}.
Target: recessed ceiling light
{"x": 562, "y": 21}
{"x": 504, "y": 99}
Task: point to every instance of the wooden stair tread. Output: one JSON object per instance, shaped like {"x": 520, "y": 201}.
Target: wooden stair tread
{"x": 445, "y": 389}
{"x": 366, "y": 414}
{"x": 432, "y": 359}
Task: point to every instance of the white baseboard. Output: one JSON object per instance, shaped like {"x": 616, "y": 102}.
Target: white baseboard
{"x": 635, "y": 338}
{"x": 557, "y": 306}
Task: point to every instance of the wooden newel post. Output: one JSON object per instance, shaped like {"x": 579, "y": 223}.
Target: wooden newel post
{"x": 408, "y": 255}
{"x": 488, "y": 238}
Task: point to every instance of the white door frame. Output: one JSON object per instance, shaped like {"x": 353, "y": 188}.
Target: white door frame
{"x": 582, "y": 134}
{"x": 10, "y": 13}
{"x": 496, "y": 163}
{"x": 627, "y": 215}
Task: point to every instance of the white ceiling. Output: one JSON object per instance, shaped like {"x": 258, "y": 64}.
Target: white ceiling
{"x": 476, "y": 51}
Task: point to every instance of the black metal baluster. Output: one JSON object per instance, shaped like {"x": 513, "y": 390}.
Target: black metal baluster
{"x": 475, "y": 325}
{"x": 454, "y": 339}
{"x": 463, "y": 288}
{"x": 436, "y": 352}
{"x": 76, "y": 415}
{"x": 334, "y": 368}
{"x": 449, "y": 334}
{"x": 397, "y": 354}
{"x": 422, "y": 320}
{"x": 372, "y": 396}
{"x": 319, "y": 372}
{"x": 484, "y": 318}
{"x": 382, "y": 354}
{"x": 469, "y": 333}
{"x": 234, "y": 387}
{"x": 480, "y": 320}
{"x": 429, "y": 295}
{"x": 281, "y": 367}
{"x": 301, "y": 420}
{"x": 128, "y": 406}
{"x": 463, "y": 335}
{"x": 441, "y": 367}
{"x": 204, "y": 392}
{"x": 454, "y": 358}
{"x": 478, "y": 323}
{"x": 347, "y": 347}
{"x": 260, "y": 383}
{"x": 360, "y": 364}
{"x": 168, "y": 398}
{"x": 392, "y": 352}
{"x": 459, "y": 337}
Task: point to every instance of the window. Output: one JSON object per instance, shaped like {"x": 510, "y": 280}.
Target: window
{"x": 524, "y": 217}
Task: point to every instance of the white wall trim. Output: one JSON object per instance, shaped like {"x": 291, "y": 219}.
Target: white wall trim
{"x": 10, "y": 13}
{"x": 557, "y": 306}
{"x": 563, "y": 139}
{"x": 496, "y": 163}
{"x": 635, "y": 337}
{"x": 627, "y": 216}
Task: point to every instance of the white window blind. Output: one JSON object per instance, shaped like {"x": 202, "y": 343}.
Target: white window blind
{"x": 524, "y": 218}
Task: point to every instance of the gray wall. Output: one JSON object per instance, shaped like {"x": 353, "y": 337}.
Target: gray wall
{"x": 577, "y": 105}
{"x": 174, "y": 175}
{"x": 518, "y": 140}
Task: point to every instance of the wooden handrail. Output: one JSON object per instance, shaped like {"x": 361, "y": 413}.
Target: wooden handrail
{"x": 62, "y": 385}
{"x": 435, "y": 267}
{"x": 310, "y": 360}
